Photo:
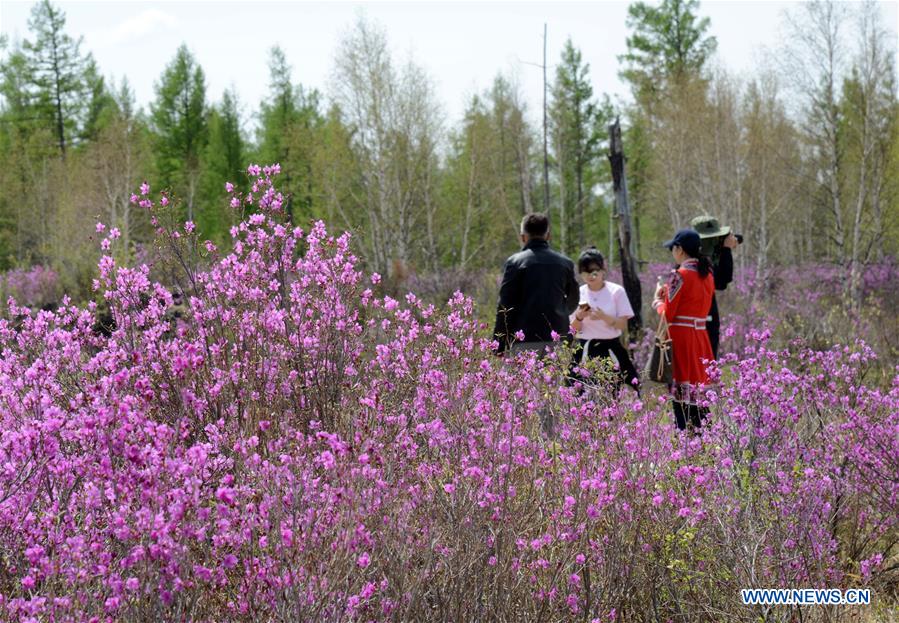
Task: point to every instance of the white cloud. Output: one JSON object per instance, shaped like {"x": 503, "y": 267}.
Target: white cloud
{"x": 136, "y": 27}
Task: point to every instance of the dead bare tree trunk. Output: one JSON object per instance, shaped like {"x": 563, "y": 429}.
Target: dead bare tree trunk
{"x": 545, "y": 145}
{"x": 563, "y": 215}
{"x": 626, "y": 252}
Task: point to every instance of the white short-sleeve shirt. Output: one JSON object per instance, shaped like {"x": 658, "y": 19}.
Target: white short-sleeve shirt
{"x": 612, "y": 299}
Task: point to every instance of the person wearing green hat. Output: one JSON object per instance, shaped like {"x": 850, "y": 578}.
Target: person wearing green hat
{"x": 717, "y": 243}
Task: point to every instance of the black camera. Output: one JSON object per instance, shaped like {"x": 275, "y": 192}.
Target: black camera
{"x": 711, "y": 247}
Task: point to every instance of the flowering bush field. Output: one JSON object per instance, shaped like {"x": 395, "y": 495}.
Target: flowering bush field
{"x": 297, "y": 447}
{"x": 34, "y": 287}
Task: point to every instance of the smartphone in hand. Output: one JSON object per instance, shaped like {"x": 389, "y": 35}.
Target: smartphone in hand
{"x": 580, "y": 314}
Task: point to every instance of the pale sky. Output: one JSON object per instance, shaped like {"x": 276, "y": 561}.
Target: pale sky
{"x": 461, "y": 45}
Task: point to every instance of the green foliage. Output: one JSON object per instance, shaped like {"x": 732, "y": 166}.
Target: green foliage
{"x": 43, "y": 114}
{"x": 668, "y": 48}
{"x": 179, "y": 122}
{"x": 637, "y": 141}
{"x": 289, "y": 130}
{"x": 440, "y": 203}
{"x": 99, "y": 102}
{"x": 668, "y": 42}
{"x": 574, "y": 143}
{"x": 469, "y": 223}
{"x": 18, "y": 98}
{"x": 336, "y": 169}
{"x": 224, "y": 158}
{"x": 516, "y": 149}
{"x": 487, "y": 180}
{"x": 55, "y": 73}
{"x": 890, "y": 217}
{"x": 866, "y": 134}
{"x": 278, "y": 111}
{"x": 394, "y": 121}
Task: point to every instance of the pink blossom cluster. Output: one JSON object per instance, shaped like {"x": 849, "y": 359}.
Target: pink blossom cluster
{"x": 302, "y": 447}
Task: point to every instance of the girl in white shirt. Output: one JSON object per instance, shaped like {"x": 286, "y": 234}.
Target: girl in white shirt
{"x": 601, "y": 316}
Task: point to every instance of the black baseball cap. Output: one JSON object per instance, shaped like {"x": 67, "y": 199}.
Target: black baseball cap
{"x": 686, "y": 239}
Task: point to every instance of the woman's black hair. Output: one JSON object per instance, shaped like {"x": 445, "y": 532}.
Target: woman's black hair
{"x": 705, "y": 265}
{"x": 588, "y": 258}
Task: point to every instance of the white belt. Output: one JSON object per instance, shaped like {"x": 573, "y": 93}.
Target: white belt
{"x": 584, "y": 352}
{"x": 691, "y": 322}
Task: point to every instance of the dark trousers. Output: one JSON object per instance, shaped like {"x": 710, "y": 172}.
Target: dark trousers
{"x": 606, "y": 348}
{"x": 713, "y": 326}
{"x": 685, "y": 413}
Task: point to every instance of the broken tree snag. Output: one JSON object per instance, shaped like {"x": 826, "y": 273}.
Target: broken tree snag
{"x": 626, "y": 252}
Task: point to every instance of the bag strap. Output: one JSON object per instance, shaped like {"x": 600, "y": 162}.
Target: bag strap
{"x": 662, "y": 330}
{"x": 662, "y": 337}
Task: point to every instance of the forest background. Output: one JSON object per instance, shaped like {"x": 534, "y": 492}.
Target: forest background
{"x": 800, "y": 156}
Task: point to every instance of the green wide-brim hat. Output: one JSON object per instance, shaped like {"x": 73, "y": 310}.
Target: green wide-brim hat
{"x": 708, "y": 227}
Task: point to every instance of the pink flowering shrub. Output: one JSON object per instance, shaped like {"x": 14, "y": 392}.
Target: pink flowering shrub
{"x": 809, "y": 301}
{"x": 299, "y": 447}
{"x": 37, "y": 286}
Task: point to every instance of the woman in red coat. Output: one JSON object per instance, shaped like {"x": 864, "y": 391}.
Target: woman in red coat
{"x": 685, "y": 302}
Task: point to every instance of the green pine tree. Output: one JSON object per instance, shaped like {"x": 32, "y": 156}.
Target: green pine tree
{"x": 575, "y": 145}
{"x": 100, "y": 103}
{"x": 291, "y": 123}
{"x": 56, "y": 73}
{"x": 179, "y": 121}
{"x": 668, "y": 43}
{"x": 224, "y": 160}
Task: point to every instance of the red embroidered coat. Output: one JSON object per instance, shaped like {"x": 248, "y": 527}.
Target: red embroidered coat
{"x": 686, "y": 305}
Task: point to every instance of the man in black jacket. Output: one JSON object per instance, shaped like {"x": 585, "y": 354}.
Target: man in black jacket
{"x": 538, "y": 293}
{"x": 718, "y": 242}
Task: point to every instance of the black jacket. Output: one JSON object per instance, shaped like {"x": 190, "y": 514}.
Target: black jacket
{"x": 724, "y": 269}
{"x": 537, "y": 295}
{"x": 724, "y": 274}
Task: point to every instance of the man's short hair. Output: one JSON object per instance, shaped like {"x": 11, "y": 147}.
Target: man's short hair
{"x": 535, "y": 225}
